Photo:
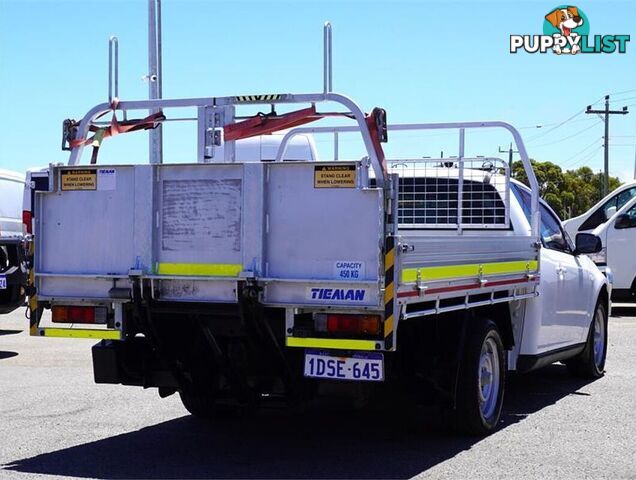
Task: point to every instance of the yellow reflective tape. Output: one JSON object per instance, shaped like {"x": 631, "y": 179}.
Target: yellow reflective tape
{"x": 337, "y": 343}
{"x": 389, "y": 292}
{"x": 200, "y": 269}
{"x": 472, "y": 270}
{"x": 388, "y": 325}
{"x": 389, "y": 259}
{"x": 81, "y": 333}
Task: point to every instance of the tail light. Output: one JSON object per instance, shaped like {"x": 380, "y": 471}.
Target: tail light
{"x": 77, "y": 314}
{"x": 27, "y": 221}
{"x": 347, "y": 324}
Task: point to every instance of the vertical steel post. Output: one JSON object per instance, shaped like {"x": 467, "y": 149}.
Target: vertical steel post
{"x": 154, "y": 76}
{"x": 460, "y": 180}
{"x": 335, "y": 146}
{"x": 327, "y": 73}
{"x": 113, "y": 68}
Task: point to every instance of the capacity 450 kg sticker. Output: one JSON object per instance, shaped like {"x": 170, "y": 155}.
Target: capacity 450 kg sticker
{"x": 348, "y": 270}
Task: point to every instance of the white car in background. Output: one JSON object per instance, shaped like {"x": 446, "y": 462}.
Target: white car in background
{"x": 602, "y": 211}
{"x": 13, "y": 269}
{"x": 618, "y": 236}
{"x": 11, "y": 189}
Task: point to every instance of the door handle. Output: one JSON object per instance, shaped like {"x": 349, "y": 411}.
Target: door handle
{"x": 560, "y": 270}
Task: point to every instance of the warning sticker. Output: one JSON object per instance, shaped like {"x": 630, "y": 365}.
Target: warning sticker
{"x": 335, "y": 176}
{"x": 79, "y": 180}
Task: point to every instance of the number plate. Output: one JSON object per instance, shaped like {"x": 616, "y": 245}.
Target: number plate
{"x": 3, "y": 282}
{"x": 365, "y": 367}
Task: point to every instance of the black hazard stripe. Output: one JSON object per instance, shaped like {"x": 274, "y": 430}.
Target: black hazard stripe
{"x": 258, "y": 98}
{"x": 389, "y": 291}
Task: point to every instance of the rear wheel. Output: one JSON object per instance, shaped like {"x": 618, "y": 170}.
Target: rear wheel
{"x": 482, "y": 374}
{"x": 200, "y": 404}
{"x": 590, "y": 363}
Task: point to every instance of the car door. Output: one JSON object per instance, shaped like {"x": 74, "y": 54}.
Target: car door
{"x": 564, "y": 287}
{"x": 621, "y": 256}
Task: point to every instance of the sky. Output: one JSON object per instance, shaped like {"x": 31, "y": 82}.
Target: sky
{"x": 422, "y": 61}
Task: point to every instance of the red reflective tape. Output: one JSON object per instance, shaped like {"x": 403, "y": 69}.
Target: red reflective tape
{"x": 506, "y": 282}
{"x": 408, "y": 294}
{"x": 455, "y": 288}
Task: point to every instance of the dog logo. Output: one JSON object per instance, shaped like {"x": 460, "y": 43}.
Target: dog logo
{"x": 567, "y": 22}
{"x": 566, "y": 30}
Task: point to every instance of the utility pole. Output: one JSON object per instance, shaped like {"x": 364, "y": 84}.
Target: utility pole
{"x": 606, "y": 113}
{"x": 510, "y": 152}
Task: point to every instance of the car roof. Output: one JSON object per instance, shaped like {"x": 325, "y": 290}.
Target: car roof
{"x": 11, "y": 175}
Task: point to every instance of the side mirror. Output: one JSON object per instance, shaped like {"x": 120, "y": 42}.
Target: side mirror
{"x": 625, "y": 221}
{"x": 588, "y": 243}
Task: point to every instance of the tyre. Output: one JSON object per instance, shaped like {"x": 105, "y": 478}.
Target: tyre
{"x": 590, "y": 363}
{"x": 200, "y": 404}
{"x": 201, "y": 398}
{"x": 482, "y": 375}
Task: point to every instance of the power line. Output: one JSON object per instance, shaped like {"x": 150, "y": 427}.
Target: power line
{"x": 543, "y": 125}
{"x": 567, "y": 138}
{"x": 626, "y": 98}
{"x": 569, "y": 119}
{"x": 581, "y": 151}
{"x": 558, "y": 125}
{"x": 620, "y": 93}
{"x": 586, "y": 158}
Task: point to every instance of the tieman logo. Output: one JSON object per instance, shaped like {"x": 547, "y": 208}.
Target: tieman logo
{"x": 566, "y": 30}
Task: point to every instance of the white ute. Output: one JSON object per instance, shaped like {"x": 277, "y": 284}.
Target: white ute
{"x": 238, "y": 281}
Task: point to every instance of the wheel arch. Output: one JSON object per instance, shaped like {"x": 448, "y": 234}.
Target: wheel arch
{"x": 499, "y": 313}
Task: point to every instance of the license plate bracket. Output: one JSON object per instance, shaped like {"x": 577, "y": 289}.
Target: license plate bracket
{"x": 359, "y": 366}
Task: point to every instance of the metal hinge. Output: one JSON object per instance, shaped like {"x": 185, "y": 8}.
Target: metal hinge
{"x": 406, "y": 248}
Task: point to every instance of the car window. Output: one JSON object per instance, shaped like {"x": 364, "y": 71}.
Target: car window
{"x": 631, "y": 213}
{"x": 552, "y": 234}
{"x": 524, "y": 199}
{"x": 602, "y": 214}
{"x": 624, "y": 197}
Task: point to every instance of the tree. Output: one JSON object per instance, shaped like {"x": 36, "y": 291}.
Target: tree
{"x": 569, "y": 193}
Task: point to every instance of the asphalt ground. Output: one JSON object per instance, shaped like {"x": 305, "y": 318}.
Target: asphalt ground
{"x": 54, "y": 421}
